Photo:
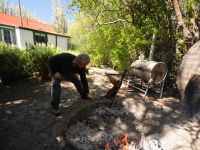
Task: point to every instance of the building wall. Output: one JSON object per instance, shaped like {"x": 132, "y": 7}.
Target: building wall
{"x": 51, "y": 40}
{"x": 62, "y": 42}
{"x": 26, "y": 37}
{"x": 18, "y": 38}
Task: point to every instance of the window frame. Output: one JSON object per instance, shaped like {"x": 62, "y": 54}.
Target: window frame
{"x": 38, "y": 33}
{"x": 11, "y": 32}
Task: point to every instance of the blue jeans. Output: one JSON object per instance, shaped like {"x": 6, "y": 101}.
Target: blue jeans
{"x": 56, "y": 89}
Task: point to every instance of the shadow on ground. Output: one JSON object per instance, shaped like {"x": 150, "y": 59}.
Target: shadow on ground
{"x": 27, "y": 123}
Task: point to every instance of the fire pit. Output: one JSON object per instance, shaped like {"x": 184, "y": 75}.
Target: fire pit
{"x": 97, "y": 126}
{"x": 101, "y": 127}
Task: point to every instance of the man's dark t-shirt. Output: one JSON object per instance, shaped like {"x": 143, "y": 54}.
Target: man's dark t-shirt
{"x": 63, "y": 63}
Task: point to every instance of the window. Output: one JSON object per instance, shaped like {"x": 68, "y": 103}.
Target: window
{"x": 7, "y": 35}
{"x": 40, "y": 37}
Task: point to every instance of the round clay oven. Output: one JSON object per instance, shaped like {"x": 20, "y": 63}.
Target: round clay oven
{"x": 190, "y": 65}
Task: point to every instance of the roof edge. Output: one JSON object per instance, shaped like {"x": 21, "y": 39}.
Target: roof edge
{"x": 34, "y": 30}
{"x": 43, "y": 31}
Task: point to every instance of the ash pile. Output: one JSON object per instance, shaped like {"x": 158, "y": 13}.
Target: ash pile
{"x": 101, "y": 128}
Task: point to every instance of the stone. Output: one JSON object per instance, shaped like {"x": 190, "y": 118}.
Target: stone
{"x": 8, "y": 112}
{"x": 93, "y": 118}
{"x": 102, "y": 128}
{"x": 31, "y": 111}
{"x": 31, "y": 105}
{"x": 60, "y": 118}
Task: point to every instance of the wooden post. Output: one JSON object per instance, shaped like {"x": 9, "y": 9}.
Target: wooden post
{"x": 151, "y": 53}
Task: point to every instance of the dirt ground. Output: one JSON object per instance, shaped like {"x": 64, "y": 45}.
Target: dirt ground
{"x": 26, "y": 121}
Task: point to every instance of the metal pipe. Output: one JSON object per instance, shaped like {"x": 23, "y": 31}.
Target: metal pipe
{"x": 20, "y": 12}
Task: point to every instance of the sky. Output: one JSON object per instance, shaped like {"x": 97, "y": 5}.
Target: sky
{"x": 43, "y": 8}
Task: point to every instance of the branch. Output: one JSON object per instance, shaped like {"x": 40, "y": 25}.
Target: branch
{"x": 181, "y": 23}
{"x": 112, "y": 22}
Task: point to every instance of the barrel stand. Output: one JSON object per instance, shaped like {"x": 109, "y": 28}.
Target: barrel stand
{"x": 149, "y": 84}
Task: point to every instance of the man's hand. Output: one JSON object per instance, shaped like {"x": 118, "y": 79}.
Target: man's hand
{"x": 57, "y": 75}
{"x": 88, "y": 97}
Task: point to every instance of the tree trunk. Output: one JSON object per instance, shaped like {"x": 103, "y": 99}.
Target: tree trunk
{"x": 186, "y": 33}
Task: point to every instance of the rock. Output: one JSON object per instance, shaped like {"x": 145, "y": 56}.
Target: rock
{"x": 93, "y": 118}
{"x": 101, "y": 128}
{"x": 31, "y": 111}
{"x": 30, "y": 105}
{"x": 8, "y": 112}
{"x": 60, "y": 119}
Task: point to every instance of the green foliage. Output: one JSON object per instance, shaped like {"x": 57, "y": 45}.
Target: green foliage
{"x": 38, "y": 60}
{"x": 108, "y": 45}
{"x": 191, "y": 11}
{"x": 12, "y": 61}
{"x": 192, "y": 7}
{"x": 18, "y": 63}
{"x": 116, "y": 32}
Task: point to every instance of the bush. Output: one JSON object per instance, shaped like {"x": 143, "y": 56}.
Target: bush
{"x": 12, "y": 60}
{"x": 17, "y": 63}
{"x": 38, "y": 60}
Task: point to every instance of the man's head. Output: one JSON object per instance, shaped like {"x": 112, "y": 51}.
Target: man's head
{"x": 82, "y": 60}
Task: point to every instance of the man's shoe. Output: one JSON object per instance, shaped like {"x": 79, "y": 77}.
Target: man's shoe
{"x": 55, "y": 111}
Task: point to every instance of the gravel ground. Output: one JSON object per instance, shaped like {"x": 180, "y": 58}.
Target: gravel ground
{"x": 27, "y": 123}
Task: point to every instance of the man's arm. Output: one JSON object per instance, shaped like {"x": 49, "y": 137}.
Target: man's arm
{"x": 84, "y": 81}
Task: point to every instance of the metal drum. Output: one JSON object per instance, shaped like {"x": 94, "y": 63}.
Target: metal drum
{"x": 150, "y": 71}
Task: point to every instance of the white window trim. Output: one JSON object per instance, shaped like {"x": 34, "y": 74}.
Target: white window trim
{"x": 12, "y": 34}
{"x": 2, "y": 35}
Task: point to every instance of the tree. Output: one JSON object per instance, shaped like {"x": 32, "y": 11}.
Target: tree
{"x": 192, "y": 11}
{"x": 147, "y": 17}
{"x": 59, "y": 20}
{"x": 13, "y": 9}
{"x": 188, "y": 20}
{"x": 181, "y": 24}
{"x": 117, "y": 31}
